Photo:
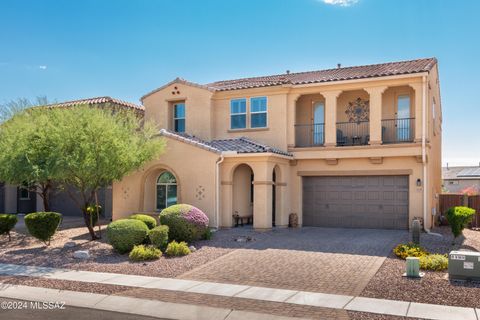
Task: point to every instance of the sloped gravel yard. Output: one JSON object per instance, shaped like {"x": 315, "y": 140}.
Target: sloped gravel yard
{"x": 26, "y": 250}
{"x": 435, "y": 287}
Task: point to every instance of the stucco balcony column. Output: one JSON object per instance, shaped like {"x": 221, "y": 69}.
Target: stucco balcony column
{"x": 331, "y": 117}
{"x": 291, "y": 118}
{"x": 417, "y": 87}
{"x": 375, "y": 114}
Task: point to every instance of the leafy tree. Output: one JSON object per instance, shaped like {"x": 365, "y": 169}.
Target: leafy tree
{"x": 98, "y": 145}
{"x": 29, "y": 154}
{"x": 12, "y": 107}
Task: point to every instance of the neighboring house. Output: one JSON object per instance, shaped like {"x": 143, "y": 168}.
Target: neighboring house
{"x": 14, "y": 199}
{"x": 345, "y": 147}
{"x": 459, "y": 179}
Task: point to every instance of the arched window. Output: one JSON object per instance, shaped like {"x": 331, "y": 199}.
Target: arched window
{"x": 166, "y": 190}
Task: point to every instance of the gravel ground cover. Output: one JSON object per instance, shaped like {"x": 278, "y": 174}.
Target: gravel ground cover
{"x": 26, "y": 250}
{"x": 434, "y": 287}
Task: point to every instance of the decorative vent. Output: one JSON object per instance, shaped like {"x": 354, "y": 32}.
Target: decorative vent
{"x": 125, "y": 193}
{"x": 175, "y": 91}
{"x": 200, "y": 193}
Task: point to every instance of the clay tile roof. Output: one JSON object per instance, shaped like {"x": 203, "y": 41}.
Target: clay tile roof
{"x": 337, "y": 74}
{"x": 239, "y": 145}
{"x": 98, "y": 100}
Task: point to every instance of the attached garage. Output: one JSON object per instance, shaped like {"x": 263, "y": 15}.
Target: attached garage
{"x": 379, "y": 202}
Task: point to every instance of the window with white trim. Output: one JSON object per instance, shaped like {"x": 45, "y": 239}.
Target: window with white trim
{"x": 166, "y": 190}
{"x": 179, "y": 117}
{"x": 258, "y": 112}
{"x": 238, "y": 114}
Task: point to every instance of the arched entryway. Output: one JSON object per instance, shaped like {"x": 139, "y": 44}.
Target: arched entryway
{"x": 243, "y": 194}
{"x": 166, "y": 191}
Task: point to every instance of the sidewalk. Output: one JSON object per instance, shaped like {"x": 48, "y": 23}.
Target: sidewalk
{"x": 127, "y": 305}
{"x": 333, "y": 301}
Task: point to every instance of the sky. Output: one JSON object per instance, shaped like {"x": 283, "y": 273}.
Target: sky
{"x": 86, "y": 48}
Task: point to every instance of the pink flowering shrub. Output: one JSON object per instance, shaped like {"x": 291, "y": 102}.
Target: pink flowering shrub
{"x": 185, "y": 222}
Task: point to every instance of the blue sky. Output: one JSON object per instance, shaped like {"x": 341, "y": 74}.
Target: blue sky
{"x": 84, "y": 48}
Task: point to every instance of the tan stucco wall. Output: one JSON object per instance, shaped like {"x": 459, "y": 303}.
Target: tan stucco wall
{"x": 198, "y": 108}
{"x": 208, "y": 117}
{"x": 194, "y": 169}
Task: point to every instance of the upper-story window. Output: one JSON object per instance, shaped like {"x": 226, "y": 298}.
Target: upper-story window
{"x": 238, "y": 114}
{"x": 258, "y": 112}
{"x": 179, "y": 117}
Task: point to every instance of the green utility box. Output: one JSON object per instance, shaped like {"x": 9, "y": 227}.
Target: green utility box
{"x": 464, "y": 265}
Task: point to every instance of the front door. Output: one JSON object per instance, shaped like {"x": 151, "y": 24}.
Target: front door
{"x": 318, "y": 123}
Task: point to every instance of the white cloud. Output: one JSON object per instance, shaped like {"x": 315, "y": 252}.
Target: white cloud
{"x": 341, "y": 3}
{"x": 42, "y": 67}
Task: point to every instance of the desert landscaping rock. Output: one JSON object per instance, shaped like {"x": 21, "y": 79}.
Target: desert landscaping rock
{"x": 434, "y": 287}
{"x": 192, "y": 248}
{"x": 81, "y": 254}
{"x": 69, "y": 244}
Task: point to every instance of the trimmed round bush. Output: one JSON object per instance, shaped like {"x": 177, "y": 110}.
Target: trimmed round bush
{"x": 143, "y": 253}
{"x": 177, "y": 249}
{"x": 124, "y": 234}
{"x": 43, "y": 225}
{"x": 7, "y": 223}
{"x": 159, "y": 237}
{"x": 149, "y": 221}
{"x": 458, "y": 218}
{"x": 185, "y": 222}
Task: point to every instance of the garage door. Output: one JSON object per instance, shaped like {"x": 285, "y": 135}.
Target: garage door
{"x": 356, "y": 202}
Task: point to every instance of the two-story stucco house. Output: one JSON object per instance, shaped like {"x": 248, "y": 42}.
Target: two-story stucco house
{"x": 344, "y": 147}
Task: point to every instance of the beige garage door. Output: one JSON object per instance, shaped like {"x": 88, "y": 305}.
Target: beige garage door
{"x": 379, "y": 202}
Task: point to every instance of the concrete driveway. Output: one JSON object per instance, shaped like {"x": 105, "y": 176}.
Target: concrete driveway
{"x": 339, "y": 261}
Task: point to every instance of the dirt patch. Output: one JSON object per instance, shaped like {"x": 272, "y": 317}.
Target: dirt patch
{"x": 434, "y": 287}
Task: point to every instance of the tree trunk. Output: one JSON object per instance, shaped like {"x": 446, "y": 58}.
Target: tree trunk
{"x": 86, "y": 218}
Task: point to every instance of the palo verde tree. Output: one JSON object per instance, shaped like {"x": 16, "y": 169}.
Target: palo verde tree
{"x": 99, "y": 145}
{"x": 29, "y": 152}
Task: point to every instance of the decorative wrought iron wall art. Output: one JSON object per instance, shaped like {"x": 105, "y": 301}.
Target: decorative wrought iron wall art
{"x": 358, "y": 110}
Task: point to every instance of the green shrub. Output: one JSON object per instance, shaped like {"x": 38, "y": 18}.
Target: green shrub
{"x": 142, "y": 253}
{"x": 207, "y": 235}
{"x": 7, "y": 222}
{"x": 91, "y": 211}
{"x": 435, "y": 262}
{"x": 149, "y": 221}
{"x": 124, "y": 234}
{"x": 176, "y": 249}
{"x": 186, "y": 222}
{"x": 458, "y": 217}
{"x": 43, "y": 225}
{"x": 404, "y": 250}
{"x": 159, "y": 237}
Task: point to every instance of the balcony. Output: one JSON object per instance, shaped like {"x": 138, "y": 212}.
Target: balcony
{"x": 398, "y": 130}
{"x": 353, "y": 133}
{"x": 309, "y": 135}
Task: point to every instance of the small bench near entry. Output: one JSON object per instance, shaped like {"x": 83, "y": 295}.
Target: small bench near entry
{"x": 241, "y": 220}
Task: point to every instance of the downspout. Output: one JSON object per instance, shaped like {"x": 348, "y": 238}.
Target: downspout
{"x": 424, "y": 151}
{"x": 217, "y": 190}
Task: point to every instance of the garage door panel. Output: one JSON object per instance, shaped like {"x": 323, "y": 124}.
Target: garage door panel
{"x": 356, "y": 202}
